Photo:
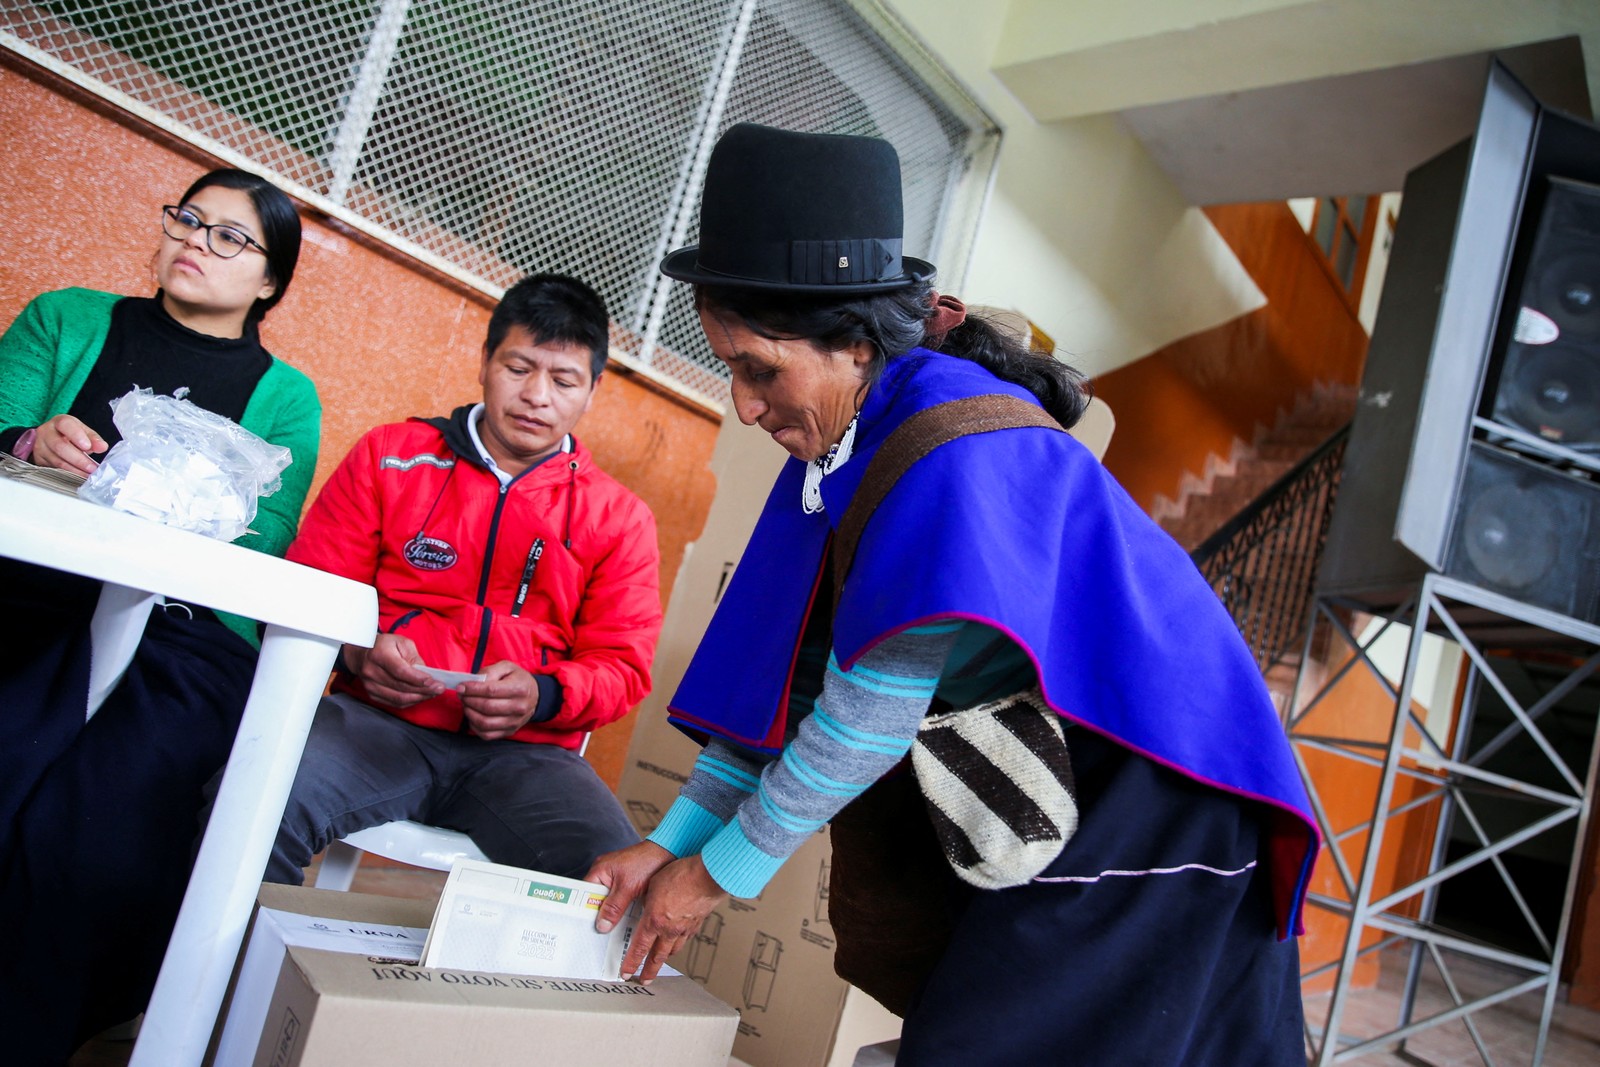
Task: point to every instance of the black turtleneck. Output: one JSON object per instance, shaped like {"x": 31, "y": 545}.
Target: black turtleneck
{"x": 149, "y": 348}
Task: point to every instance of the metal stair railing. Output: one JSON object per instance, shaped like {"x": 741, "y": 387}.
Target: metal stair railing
{"x": 1263, "y": 562}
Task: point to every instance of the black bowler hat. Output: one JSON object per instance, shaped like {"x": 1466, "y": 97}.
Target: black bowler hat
{"x": 799, "y": 212}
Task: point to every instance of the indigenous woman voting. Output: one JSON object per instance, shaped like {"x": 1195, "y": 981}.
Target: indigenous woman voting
{"x": 1067, "y": 827}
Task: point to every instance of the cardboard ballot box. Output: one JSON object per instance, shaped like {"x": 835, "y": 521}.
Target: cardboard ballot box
{"x": 772, "y": 957}
{"x": 365, "y": 1003}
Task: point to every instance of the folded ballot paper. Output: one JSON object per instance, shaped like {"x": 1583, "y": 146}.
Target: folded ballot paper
{"x": 497, "y": 918}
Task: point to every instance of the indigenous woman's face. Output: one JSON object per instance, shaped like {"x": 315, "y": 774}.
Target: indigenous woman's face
{"x": 203, "y": 290}
{"x": 802, "y": 396}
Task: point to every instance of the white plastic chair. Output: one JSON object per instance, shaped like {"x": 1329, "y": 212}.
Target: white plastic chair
{"x": 404, "y": 841}
{"x": 408, "y": 842}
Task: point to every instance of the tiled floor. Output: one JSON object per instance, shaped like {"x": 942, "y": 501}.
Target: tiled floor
{"x": 1508, "y": 1029}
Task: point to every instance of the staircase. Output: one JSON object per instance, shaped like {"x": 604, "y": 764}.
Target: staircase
{"x": 1257, "y": 531}
{"x": 1203, "y": 509}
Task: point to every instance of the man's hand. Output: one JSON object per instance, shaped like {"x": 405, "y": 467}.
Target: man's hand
{"x": 66, "y": 442}
{"x": 502, "y": 703}
{"x": 678, "y": 895}
{"x": 389, "y": 671}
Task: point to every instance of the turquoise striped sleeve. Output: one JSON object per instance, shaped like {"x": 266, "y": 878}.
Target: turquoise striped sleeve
{"x": 737, "y": 864}
{"x": 863, "y": 724}
{"x": 724, "y": 776}
{"x": 685, "y": 829}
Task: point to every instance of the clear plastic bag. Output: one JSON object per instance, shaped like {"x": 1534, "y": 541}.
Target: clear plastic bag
{"x": 184, "y": 466}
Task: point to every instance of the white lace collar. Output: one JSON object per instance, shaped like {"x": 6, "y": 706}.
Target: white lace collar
{"x": 838, "y": 456}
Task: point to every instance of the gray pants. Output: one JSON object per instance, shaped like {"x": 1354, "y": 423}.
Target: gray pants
{"x": 535, "y": 806}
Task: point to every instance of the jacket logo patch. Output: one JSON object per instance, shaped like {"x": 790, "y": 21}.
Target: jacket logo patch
{"x": 429, "y": 553}
{"x": 396, "y": 463}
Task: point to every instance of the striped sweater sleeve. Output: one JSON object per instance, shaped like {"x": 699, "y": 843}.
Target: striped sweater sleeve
{"x": 725, "y": 775}
{"x": 723, "y": 778}
{"x": 863, "y": 724}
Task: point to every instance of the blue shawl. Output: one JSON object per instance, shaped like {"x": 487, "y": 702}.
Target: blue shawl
{"x": 1022, "y": 530}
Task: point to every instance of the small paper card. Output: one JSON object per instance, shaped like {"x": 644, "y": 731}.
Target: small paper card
{"x": 506, "y": 919}
{"x": 451, "y": 678}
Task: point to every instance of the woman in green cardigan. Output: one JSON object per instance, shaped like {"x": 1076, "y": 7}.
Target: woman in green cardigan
{"x": 71, "y": 352}
{"x": 98, "y": 818}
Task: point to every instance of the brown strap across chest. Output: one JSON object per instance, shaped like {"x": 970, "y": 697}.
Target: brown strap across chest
{"x": 915, "y": 438}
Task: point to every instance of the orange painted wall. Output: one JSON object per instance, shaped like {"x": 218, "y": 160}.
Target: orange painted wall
{"x": 1359, "y": 708}
{"x": 1190, "y": 399}
{"x": 383, "y": 337}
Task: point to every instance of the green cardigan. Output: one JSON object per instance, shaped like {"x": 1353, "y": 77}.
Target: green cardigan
{"x": 47, "y": 354}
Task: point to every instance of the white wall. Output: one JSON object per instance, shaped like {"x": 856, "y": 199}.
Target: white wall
{"x": 1438, "y": 674}
{"x": 1378, "y": 261}
{"x": 1083, "y": 233}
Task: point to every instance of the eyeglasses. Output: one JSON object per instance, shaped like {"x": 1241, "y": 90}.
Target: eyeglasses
{"x": 224, "y": 241}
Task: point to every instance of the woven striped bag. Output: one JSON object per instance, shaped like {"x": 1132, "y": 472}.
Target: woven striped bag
{"x": 998, "y": 784}
{"x": 995, "y": 776}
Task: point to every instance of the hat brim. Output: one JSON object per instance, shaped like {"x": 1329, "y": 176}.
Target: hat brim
{"x": 684, "y": 266}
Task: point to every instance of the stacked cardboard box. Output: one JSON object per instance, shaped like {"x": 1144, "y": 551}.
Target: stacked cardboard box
{"x": 332, "y": 1008}
{"x": 771, "y": 957}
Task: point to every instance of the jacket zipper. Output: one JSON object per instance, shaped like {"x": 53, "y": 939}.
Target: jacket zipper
{"x": 483, "y": 582}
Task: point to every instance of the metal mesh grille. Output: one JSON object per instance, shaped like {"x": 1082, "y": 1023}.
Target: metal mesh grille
{"x": 500, "y": 137}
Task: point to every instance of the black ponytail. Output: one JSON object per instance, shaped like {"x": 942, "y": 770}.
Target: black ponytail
{"x": 893, "y": 324}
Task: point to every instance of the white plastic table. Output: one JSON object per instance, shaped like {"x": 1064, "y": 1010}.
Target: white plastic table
{"x": 308, "y": 613}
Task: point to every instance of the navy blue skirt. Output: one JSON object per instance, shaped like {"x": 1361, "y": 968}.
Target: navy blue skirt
{"x": 1149, "y": 941}
{"x": 99, "y": 819}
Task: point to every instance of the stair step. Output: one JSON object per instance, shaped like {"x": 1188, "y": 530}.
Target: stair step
{"x": 1280, "y": 677}
{"x": 1228, "y": 499}
{"x": 1317, "y": 417}
{"x": 1261, "y": 469}
{"x": 1290, "y": 451}
{"x": 1306, "y": 436}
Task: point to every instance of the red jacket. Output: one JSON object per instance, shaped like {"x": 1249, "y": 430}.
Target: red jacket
{"x": 412, "y": 511}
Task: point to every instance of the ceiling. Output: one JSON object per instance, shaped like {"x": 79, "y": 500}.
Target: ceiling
{"x": 1345, "y": 134}
{"x": 1252, "y": 100}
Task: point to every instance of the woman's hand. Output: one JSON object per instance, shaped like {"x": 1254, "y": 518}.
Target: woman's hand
{"x": 678, "y": 895}
{"x": 65, "y": 442}
{"x": 389, "y": 672}
{"x": 625, "y": 872}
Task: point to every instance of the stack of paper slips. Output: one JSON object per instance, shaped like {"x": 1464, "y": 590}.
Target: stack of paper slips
{"x": 62, "y": 481}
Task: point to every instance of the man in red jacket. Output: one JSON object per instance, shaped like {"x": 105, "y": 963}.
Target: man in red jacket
{"x": 498, "y": 549}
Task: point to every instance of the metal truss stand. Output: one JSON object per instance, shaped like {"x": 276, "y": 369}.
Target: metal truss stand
{"x": 1446, "y": 774}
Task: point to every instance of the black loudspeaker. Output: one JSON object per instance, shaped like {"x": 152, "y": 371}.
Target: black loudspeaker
{"x": 1549, "y": 383}
{"x": 1475, "y": 449}
{"x": 1529, "y": 531}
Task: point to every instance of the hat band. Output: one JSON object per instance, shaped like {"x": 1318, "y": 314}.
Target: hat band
{"x": 867, "y": 259}
{"x": 856, "y": 261}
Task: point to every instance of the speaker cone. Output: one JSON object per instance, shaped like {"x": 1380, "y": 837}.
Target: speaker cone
{"x": 1510, "y": 534}
{"x": 1553, "y": 391}
{"x": 1568, "y": 288}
